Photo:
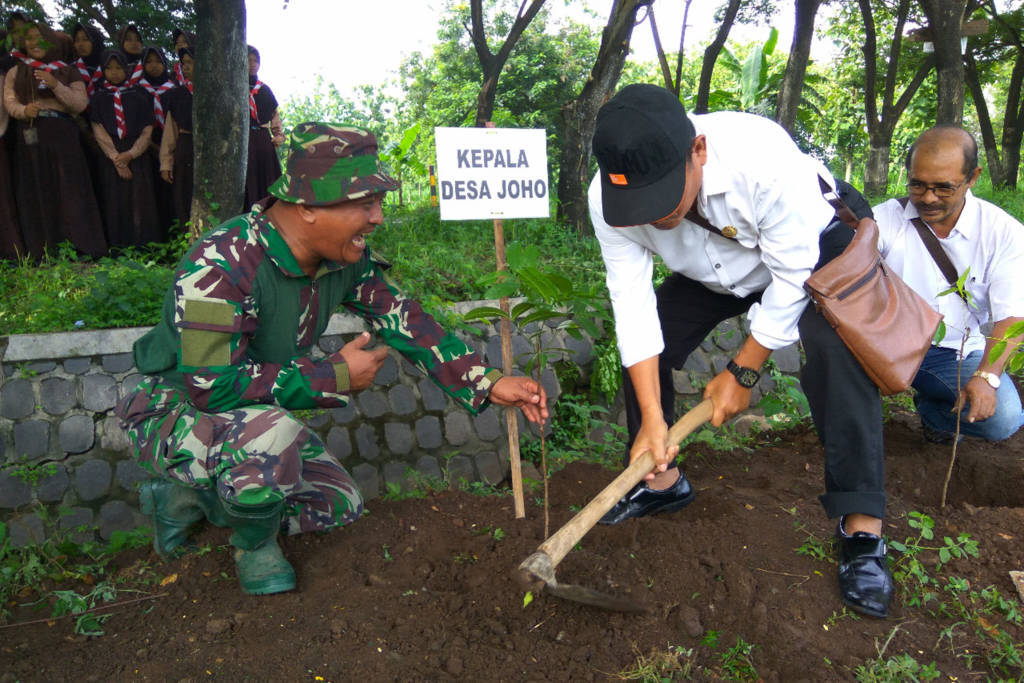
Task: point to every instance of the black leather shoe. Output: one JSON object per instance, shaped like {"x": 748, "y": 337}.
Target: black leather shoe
{"x": 865, "y": 582}
{"x": 643, "y": 501}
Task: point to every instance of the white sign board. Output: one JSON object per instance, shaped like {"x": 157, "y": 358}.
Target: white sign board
{"x": 492, "y": 173}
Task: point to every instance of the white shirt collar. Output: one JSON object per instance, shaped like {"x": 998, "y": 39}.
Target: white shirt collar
{"x": 966, "y": 223}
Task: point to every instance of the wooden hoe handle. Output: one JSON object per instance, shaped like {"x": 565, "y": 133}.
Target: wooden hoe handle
{"x": 562, "y": 541}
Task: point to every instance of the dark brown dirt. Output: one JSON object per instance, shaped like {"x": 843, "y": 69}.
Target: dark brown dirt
{"x": 421, "y": 589}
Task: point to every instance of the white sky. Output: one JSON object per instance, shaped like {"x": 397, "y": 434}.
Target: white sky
{"x": 351, "y": 43}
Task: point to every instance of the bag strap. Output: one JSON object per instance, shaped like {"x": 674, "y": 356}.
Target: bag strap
{"x": 843, "y": 212}
{"x": 931, "y": 242}
{"x": 695, "y": 217}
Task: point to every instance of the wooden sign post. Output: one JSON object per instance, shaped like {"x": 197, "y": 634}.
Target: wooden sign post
{"x": 495, "y": 173}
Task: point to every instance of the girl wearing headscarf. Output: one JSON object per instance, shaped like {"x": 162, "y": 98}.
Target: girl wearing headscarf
{"x": 122, "y": 121}
{"x": 176, "y": 156}
{"x": 265, "y": 134}
{"x": 52, "y": 186}
{"x": 129, "y": 41}
{"x": 181, "y": 39}
{"x": 157, "y": 81}
{"x": 11, "y": 245}
{"x": 89, "y": 48}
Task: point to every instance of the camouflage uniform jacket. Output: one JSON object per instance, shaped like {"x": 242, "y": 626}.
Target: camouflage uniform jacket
{"x": 241, "y": 319}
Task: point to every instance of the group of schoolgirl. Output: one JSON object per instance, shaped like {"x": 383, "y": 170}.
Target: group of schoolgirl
{"x": 96, "y": 144}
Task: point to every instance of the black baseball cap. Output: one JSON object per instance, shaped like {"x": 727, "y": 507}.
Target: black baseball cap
{"x": 642, "y": 141}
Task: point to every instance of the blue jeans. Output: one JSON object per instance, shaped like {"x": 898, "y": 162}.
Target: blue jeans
{"x": 935, "y": 392}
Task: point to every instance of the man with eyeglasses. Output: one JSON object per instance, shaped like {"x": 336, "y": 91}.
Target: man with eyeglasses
{"x": 986, "y": 247}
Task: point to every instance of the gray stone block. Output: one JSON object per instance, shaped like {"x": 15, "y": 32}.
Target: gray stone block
{"x": 320, "y": 419}
{"x": 398, "y": 437}
{"x": 8, "y": 370}
{"x": 131, "y": 382}
{"x": 681, "y": 382}
{"x": 388, "y": 373}
{"x": 345, "y": 414}
{"x": 80, "y": 525}
{"x": 459, "y": 471}
{"x": 41, "y": 367}
{"x": 396, "y": 474}
{"x": 402, "y": 400}
{"x": 372, "y": 403}
{"x": 434, "y": 398}
{"x": 728, "y": 335}
{"x": 338, "y": 442}
{"x": 367, "y": 480}
{"x": 366, "y": 442}
{"x": 26, "y": 530}
{"x": 92, "y": 479}
{"x": 488, "y": 424}
{"x": 697, "y": 362}
{"x": 489, "y": 467}
{"x": 130, "y": 473}
{"x": 788, "y": 358}
{"x": 77, "y": 434}
{"x": 117, "y": 515}
{"x": 521, "y": 350}
{"x": 116, "y": 363}
{"x": 99, "y": 393}
{"x": 77, "y": 366}
{"x": 32, "y": 438}
{"x": 113, "y": 436}
{"x": 52, "y": 487}
{"x": 428, "y": 432}
{"x": 580, "y": 351}
{"x": 457, "y": 428}
{"x": 549, "y": 380}
{"x": 13, "y": 491}
{"x": 57, "y": 395}
{"x": 3, "y": 447}
{"x": 331, "y": 343}
{"x": 408, "y": 369}
{"x": 17, "y": 400}
{"x": 427, "y": 466}
{"x": 719, "y": 362}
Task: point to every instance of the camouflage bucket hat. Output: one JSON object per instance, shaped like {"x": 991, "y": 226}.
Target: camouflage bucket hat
{"x": 330, "y": 163}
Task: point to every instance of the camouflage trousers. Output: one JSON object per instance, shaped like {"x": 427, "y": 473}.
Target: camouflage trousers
{"x": 253, "y": 455}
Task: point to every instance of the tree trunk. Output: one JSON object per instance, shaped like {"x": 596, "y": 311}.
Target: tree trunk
{"x": 876, "y": 169}
{"x": 995, "y": 165}
{"x": 491, "y": 64}
{"x": 580, "y": 115}
{"x": 796, "y": 66}
{"x": 1013, "y": 123}
{"x": 944, "y": 20}
{"x": 220, "y": 112}
{"x": 711, "y": 56}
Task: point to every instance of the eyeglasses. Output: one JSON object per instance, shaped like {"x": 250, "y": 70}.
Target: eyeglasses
{"x": 941, "y": 190}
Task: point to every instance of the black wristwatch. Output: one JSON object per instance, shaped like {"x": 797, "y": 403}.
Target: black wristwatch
{"x": 747, "y": 377}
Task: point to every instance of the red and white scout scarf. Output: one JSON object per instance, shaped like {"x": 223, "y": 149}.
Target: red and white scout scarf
{"x": 52, "y": 67}
{"x": 188, "y": 84}
{"x": 89, "y": 78}
{"x": 137, "y": 74}
{"x": 156, "y": 91}
{"x": 122, "y": 127}
{"x": 179, "y": 77}
{"x": 254, "y": 112}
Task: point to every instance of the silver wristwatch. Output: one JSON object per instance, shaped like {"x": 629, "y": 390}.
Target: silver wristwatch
{"x": 990, "y": 377}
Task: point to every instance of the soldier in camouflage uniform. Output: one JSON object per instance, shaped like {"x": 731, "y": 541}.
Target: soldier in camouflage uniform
{"x": 231, "y": 357}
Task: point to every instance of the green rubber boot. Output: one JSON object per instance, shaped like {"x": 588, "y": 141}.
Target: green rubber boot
{"x": 174, "y": 509}
{"x": 262, "y": 567}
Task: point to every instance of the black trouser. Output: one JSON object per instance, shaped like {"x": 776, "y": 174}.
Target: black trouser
{"x": 844, "y": 402}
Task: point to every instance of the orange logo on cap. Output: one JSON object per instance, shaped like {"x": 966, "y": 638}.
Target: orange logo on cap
{"x": 617, "y": 179}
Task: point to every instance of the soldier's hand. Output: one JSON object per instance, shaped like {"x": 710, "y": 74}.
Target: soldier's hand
{"x": 524, "y": 393}
{"x": 363, "y": 364}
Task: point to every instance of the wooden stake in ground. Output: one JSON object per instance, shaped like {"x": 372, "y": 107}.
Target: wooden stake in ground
{"x": 506, "y": 367}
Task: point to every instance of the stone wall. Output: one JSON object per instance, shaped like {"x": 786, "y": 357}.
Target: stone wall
{"x": 64, "y": 458}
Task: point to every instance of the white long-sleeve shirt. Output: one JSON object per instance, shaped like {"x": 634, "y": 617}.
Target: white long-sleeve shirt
{"x": 985, "y": 239}
{"x": 755, "y": 180}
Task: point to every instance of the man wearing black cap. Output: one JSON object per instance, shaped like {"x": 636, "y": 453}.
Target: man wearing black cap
{"x": 736, "y": 212}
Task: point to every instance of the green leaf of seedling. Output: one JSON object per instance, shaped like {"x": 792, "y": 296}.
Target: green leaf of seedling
{"x": 527, "y": 599}
{"x": 940, "y": 332}
{"x": 484, "y": 313}
{"x": 998, "y": 350}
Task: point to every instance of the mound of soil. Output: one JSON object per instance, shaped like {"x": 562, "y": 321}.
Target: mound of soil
{"x": 422, "y": 589}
